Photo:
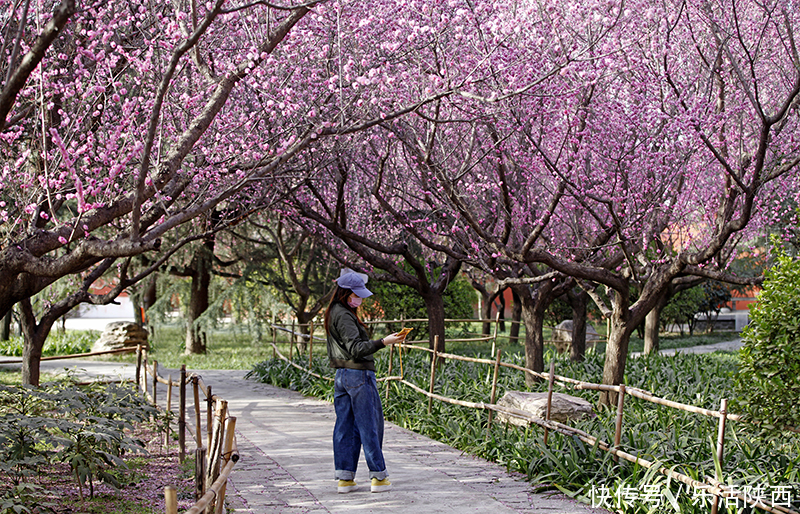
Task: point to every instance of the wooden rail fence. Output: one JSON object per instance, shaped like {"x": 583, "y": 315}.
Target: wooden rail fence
{"x": 215, "y": 454}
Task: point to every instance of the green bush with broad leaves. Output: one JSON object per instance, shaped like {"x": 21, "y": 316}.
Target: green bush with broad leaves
{"x": 768, "y": 382}
{"x": 85, "y": 427}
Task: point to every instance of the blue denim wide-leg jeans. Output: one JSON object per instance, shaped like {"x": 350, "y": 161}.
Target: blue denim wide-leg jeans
{"x": 359, "y": 421}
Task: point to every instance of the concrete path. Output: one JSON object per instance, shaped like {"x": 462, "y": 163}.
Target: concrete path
{"x": 286, "y": 463}
{"x": 725, "y": 346}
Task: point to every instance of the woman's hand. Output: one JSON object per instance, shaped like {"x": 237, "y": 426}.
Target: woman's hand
{"x": 393, "y": 339}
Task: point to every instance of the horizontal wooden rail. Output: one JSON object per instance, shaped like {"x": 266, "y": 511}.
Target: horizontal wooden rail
{"x": 577, "y": 384}
{"x": 76, "y": 355}
{"x": 415, "y": 320}
{"x": 301, "y": 368}
{"x": 213, "y": 491}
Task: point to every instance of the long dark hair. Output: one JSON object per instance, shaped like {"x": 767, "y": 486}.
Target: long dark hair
{"x": 341, "y": 295}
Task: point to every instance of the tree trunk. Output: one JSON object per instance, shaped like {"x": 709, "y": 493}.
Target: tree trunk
{"x": 534, "y": 302}
{"x": 487, "y": 300}
{"x": 652, "y": 324}
{"x": 196, "y": 342}
{"x": 148, "y": 299}
{"x": 617, "y": 347}
{"x": 34, "y": 337}
{"x": 516, "y": 317}
{"x": 5, "y": 327}
{"x": 501, "y": 310}
{"x": 303, "y": 318}
{"x": 578, "y": 301}
{"x": 434, "y": 302}
{"x": 486, "y": 328}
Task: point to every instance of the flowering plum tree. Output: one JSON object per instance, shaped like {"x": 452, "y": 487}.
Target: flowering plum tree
{"x": 122, "y": 121}
{"x": 643, "y": 166}
{"x": 101, "y": 119}
{"x": 376, "y": 195}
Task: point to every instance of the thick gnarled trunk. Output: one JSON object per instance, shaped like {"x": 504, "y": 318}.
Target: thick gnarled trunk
{"x": 534, "y": 302}
{"x": 434, "y": 303}
{"x": 196, "y": 338}
{"x": 578, "y": 301}
{"x": 34, "y": 337}
{"x": 617, "y": 347}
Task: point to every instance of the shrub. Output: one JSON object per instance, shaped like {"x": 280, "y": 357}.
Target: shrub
{"x": 768, "y": 382}
{"x": 57, "y": 343}
{"x": 88, "y": 428}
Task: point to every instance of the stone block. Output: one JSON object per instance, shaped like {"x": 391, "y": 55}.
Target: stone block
{"x": 121, "y": 334}
{"x": 562, "y": 336}
{"x": 563, "y": 407}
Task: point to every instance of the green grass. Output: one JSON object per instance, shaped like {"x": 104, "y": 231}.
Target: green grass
{"x": 226, "y": 349}
{"x": 58, "y": 343}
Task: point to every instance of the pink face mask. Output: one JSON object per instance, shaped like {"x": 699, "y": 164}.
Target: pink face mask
{"x": 354, "y": 301}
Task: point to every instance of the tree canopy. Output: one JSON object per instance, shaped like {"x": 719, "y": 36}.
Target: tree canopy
{"x": 612, "y": 145}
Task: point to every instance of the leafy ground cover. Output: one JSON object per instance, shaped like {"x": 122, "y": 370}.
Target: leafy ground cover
{"x": 91, "y": 450}
{"x": 754, "y": 462}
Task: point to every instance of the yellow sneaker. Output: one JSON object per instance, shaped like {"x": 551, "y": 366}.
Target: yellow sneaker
{"x": 345, "y": 486}
{"x": 380, "y": 486}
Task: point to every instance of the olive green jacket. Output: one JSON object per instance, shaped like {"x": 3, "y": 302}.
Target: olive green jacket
{"x": 349, "y": 345}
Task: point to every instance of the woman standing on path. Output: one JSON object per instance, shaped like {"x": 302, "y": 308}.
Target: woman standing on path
{"x": 359, "y": 413}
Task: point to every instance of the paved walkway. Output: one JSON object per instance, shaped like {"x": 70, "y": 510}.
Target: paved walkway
{"x": 725, "y": 346}
{"x": 286, "y": 463}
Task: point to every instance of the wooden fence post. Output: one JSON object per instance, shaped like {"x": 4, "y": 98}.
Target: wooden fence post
{"x": 391, "y": 363}
{"x": 171, "y": 499}
{"x": 723, "y": 416}
{"x": 199, "y": 473}
{"x": 144, "y": 372}
{"x": 496, "y": 326}
{"x": 155, "y": 381}
{"x": 310, "y": 343}
{"x": 434, "y": 357}
{"x": 139, "y": 366}
{"x": 226, "y": 456}
{"x": 209, "y": 416}
{"x": 168, "y": 412}
{"x": 182, "y": 416}
{"x": 196, "y": 390}
{"x": 274, "y": 341}
{"x": 291, "y": 342}
{"x": 618, "y": 425}
{"x": 400, "y": 349}
{"x": 551, "y": 379}
{"x": 215, "y": 448}
{"x": 493, "y": 397}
